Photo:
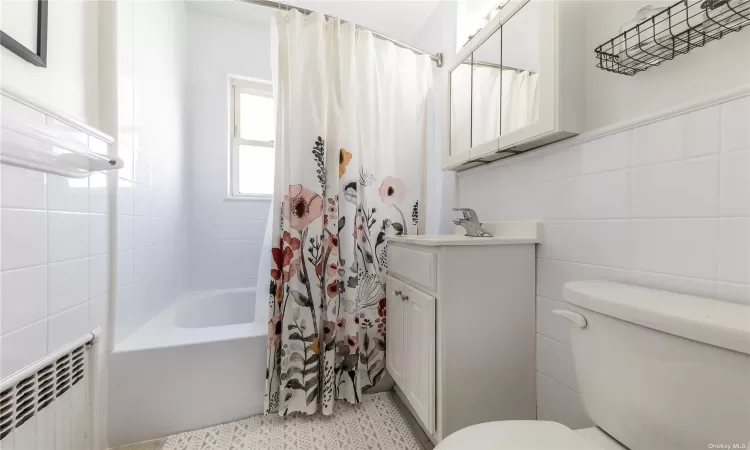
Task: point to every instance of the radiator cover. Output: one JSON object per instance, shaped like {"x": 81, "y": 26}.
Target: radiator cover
{"x": 50, "y": 409}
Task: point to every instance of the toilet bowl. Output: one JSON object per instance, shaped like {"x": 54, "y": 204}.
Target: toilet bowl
{"x": 656, "y": 370}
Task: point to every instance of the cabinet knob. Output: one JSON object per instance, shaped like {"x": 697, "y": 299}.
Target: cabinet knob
{"x": 396, "y": 292}
{"x": 405, "y": 298}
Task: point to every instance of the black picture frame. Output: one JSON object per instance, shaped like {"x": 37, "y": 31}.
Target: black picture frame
{"x": 38, "y": 57}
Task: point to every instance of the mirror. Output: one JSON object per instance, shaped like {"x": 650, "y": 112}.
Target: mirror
{"x": 521, "y": 61}
{"x": 487, "y": 80}
{"x": 460, "y": 97}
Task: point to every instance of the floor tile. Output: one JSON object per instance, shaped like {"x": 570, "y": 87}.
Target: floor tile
{"x": 374, "y": 424}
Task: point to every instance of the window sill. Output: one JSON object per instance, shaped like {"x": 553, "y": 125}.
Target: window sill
{"x": 248, "y": 198}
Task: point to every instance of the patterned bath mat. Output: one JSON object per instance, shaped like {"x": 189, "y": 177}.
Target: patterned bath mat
{"x": 374, "y": 424}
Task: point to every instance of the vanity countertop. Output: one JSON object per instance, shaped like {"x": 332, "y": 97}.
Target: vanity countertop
{"x": 504, "y": 233}
{"x": 437, "y": 240}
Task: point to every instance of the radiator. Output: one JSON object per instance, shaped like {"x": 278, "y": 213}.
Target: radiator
{"x": 48, "y": 405}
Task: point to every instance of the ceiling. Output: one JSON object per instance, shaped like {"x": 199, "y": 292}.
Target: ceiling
{"x": 399, "y": 19}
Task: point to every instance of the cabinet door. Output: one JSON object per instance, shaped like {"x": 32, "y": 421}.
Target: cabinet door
{"x": 458, "y": 119}
{"x": 488, "y": 78}
{"x": 394, "y": 337}
{"x": 528, "y": 76}
{"x": 420, "y": 354}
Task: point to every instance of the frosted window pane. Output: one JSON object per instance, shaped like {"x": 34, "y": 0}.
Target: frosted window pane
{"x": 256, "y": 118}
{"x": 256, "y": 167}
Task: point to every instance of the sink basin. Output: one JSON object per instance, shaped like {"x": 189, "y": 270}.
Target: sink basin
{"x": 504, "y": 233}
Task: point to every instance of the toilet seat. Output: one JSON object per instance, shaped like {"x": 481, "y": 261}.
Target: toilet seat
{"x": 517, "y": 435}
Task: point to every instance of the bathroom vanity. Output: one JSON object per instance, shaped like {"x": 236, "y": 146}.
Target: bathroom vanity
{"x": 461, "y": 326}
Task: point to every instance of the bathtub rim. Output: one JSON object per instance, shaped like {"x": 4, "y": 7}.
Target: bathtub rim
{"x": 161, "y": 331}
{"x": 186, "y": 314}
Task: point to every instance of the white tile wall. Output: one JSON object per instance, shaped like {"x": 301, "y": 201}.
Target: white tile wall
{"x": 225, "y": 236}
{"x": 29, "y": 284}
{"x": 23, "y": 238}
{"x": 665, "y": 205}
{"x": 151, "y": 237}
{"x": 67, "y": 194}
{"x": 67, "y": 284}
{"x": 689, "y": 135}
{"x": 67, "y": 326}
{"x": 98, "y": 276}
{"x": 734, "y": 250}
{"x": 735, "y": 186}
{"x": 559, "y": 403}
{"x": 34, "y": 196}
{"x": 23, "y": 346}
{"x": 607, "y": 153}
{"x": 556, "y": 359}
{"x": 54, "y": 253}
{"x": 735, "y": 129}
{"x": 68, "y": 235}
{"x": 685, "y": 188}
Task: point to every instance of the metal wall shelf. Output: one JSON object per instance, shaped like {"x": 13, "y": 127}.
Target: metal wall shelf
{"x": 678, "y": 29}
{"x": 38, "y": 147}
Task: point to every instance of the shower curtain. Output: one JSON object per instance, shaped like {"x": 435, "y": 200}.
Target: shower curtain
{"x": 351, "y": 137}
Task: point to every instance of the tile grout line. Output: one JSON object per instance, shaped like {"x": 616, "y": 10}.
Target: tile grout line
{"x": 553, "y": 340}
{"x": 716, "y": 280}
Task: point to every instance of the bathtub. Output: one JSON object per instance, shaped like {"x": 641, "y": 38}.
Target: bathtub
{"x": 200, "y": 362}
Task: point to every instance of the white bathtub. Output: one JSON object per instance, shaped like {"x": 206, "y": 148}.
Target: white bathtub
{"x": 200, "y": 362}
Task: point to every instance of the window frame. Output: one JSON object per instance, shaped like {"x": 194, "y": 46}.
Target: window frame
{"x": 254, "y": 87}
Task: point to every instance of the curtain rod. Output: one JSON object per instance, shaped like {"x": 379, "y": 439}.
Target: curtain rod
{"x": 438, "y": 57}
{"x": 496, "y": 66}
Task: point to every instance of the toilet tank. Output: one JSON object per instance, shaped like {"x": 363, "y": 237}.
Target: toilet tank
{"x": 659, "y": 370}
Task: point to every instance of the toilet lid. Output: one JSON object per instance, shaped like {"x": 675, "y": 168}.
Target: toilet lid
{"x": 516, "y": 435}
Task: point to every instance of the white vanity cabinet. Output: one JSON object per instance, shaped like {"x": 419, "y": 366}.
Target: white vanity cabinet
{"x": 461, "y": 328}
{"x": 411, "y": 335}
{"x": 517, "y": 84}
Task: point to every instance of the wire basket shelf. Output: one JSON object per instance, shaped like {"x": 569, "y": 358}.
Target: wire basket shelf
{"x": 675, "y": 30}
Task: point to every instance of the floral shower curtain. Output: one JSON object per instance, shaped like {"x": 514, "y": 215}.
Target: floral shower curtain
{"x": 351, "y": 135}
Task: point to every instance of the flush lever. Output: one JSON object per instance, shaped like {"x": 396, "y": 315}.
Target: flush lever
{"x": 577, "y": 319}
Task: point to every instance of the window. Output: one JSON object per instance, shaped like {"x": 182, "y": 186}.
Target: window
{"x": 253, "y": 134}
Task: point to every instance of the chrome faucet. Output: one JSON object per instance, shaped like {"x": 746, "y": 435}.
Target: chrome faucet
{"x": 471, "y": 223}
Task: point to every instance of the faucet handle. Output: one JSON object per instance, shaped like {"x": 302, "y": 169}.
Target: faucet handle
{"x": 469, "y": 214}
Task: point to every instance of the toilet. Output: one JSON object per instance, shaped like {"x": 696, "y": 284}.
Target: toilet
{"x": 656, "y": 370}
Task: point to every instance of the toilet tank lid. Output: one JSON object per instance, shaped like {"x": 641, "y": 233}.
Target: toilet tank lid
{"x": 706, "y": 320}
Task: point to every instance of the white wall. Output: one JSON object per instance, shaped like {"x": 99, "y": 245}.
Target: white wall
{"x": 225, "y": 235}
{"x": 436, "y": 34}
{"x": 665, "y": 205}
{"x": 152, "y": 243}
{"x": 69, "y": 83}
